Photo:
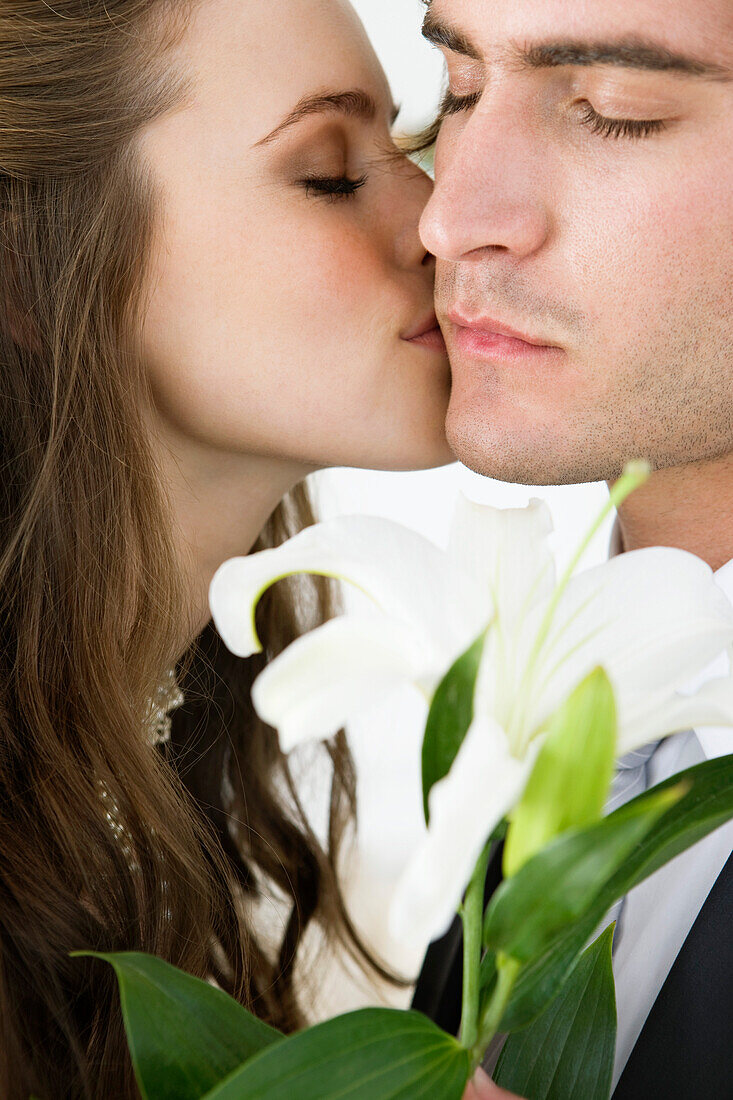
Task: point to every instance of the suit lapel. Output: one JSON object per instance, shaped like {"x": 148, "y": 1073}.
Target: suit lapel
{"x": 686, "y": 1045}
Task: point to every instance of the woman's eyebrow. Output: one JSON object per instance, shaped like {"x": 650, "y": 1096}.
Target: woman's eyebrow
{"x": 354, "y": 103}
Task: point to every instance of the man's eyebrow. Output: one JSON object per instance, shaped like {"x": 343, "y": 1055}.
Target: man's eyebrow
{"x": 354, "y": 103}
{"x": 443, "y": 35}
{"x": 627, "y": 53}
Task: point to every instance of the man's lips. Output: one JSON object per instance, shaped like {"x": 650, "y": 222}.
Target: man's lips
{"x": 490, "y": 326}
{"x": 491, "y": 341}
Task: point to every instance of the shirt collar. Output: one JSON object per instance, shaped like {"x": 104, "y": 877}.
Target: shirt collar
{"x": 614, "y": 545}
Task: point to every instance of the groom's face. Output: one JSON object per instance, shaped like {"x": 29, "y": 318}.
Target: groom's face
{"x": 584, "y": 200}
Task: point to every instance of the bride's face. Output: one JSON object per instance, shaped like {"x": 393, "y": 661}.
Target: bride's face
{"x": 287, "y": 273}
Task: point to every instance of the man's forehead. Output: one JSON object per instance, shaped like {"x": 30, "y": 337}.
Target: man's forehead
{"x": 704, "y": 27}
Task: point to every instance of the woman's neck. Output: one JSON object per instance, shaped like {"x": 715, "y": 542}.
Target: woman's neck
{"x": 221, "y": 502}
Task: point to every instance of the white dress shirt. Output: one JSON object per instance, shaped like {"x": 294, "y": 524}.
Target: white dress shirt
{"x": 659, "y": 913}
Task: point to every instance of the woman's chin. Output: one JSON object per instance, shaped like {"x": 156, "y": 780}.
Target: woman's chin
{"x": 418, "y": 454}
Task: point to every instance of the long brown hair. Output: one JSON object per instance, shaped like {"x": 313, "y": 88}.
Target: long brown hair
{"x": 91, "y": 600}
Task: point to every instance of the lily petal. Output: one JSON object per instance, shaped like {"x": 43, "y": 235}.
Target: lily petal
{"x": 507, "y": 551}
{"x": 335, "y": 673}
{"x": 405, "y": 574}
{"x": 621, "y": 615}
{"x": 711, "y": 705}
{"x": 465, "y": 807}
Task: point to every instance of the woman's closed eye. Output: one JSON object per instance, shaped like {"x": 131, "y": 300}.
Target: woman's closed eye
{"x": 332, "y": 187}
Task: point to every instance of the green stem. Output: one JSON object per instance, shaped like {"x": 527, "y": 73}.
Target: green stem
{"x": 508, "y": 970}
{"x": 634, "y": 475}
{"x": 472, "y": 912}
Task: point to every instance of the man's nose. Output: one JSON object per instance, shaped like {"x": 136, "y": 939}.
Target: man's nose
{"x": 490, "y": 192}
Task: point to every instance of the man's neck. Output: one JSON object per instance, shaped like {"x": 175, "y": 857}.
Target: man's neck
{"x": 690, "y": 507}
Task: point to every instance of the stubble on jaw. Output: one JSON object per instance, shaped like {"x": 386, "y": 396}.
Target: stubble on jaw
{"x": 662, "y": 392}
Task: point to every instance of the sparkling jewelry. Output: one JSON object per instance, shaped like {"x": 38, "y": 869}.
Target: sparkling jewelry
{"x": 158, "y": 730}
{"x": 167, "y": 697}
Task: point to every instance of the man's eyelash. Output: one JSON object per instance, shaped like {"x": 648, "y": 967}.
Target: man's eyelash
{"x": 454, "y": 104}
{"x": 598, "y": 124}
{"x": 619, "y": 127}
{"x": 333, "y": 187}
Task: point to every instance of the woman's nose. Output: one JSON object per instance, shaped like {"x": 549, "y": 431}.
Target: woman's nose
{"x": 410, "y": 250}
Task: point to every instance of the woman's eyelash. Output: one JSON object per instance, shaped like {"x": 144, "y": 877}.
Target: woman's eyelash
{"x": 619, "y": 127}
{"x": 333, "y": 187}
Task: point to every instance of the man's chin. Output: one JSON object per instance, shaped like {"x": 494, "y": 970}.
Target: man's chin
{"x": 521, "y": 460}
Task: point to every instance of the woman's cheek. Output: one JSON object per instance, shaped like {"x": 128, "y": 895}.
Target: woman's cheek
{"x": 340, "y": 262}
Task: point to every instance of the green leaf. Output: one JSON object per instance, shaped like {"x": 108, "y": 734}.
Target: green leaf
{"x": 572, "y": 775}
{"x": 371, "y": 1053}
{"x": 559, "y": 885}
{"x": 706, "y": 806}
{"x": 184, "y": 1034}
{"x": 449, "y": 718}
{"x": 568, "y": 1052}
{"x": 488, "y": 973}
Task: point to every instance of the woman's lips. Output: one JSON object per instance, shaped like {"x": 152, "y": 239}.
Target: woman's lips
{"x": 428, "y": 334}
{"x": 433, "y": 338}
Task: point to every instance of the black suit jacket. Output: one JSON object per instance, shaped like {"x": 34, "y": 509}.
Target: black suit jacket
{"x": 685, "y": 1049}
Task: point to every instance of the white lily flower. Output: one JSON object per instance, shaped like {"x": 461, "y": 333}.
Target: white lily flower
{"x": 652, "y": 618}
{"x": 426, "y": 607}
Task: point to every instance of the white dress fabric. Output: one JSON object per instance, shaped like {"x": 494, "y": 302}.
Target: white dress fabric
{"x": 326, "y": 980}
